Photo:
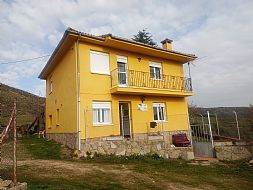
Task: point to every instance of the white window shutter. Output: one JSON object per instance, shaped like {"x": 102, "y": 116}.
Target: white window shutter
{"x": 155, "y": 64}
{"x": 121, "y": 59}
{"x": 99, "y": 62}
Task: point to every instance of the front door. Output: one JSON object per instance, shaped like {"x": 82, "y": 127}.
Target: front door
{"x": 122, "y": 73}
{"x": 124, "y": 113}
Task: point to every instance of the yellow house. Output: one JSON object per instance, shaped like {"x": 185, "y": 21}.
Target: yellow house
{"x": 110, "y": 90}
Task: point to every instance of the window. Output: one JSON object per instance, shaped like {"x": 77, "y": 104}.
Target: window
{"x": 122, "y": 70}
{"x": 99, "y": 62}
{"x": 50, "y": 86}
{"x": 155, "y": 70}
{"x": 57, "y": 117}
{"x": 50, "y": 121}
{"x": 159, "y": 111}
{"x": 102, "y": 113}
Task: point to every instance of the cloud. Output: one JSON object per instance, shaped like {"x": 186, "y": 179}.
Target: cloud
{"x": 219, "y": 30}
{"x": 224, "y": 77}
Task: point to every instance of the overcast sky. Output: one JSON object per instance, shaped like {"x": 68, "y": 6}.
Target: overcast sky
{"x": 220, "y": 33}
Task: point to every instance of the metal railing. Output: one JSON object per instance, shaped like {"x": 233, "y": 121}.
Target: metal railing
{"x": 133, "y": 78}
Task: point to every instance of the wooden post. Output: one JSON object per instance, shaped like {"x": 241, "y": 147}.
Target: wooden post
{"x": 14, "y": 145}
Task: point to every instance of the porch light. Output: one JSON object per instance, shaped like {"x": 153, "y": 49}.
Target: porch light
{"x": 142, "y": 99}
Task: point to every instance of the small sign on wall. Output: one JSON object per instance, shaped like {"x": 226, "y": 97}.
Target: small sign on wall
{"x": 143, "y": 107}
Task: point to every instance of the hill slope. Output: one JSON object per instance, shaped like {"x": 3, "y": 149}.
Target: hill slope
{"x": 28, "y": 105}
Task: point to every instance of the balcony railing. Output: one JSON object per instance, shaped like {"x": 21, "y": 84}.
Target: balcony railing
{"x": 132, "y": 78}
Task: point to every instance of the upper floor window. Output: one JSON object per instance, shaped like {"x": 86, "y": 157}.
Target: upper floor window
{"x": 155, "y": 70}
{"x": 99, "y": 62}
{"x": 122, "y": 70}
{"x": 159, "y": 111}
{"x": 50, "y": 86}
{"x": 102, "y": 113}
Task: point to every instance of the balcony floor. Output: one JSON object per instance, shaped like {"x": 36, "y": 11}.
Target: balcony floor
{"x": 149, "y": 91}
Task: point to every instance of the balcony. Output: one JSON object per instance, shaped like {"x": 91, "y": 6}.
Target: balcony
{"x": 138, "y": 82}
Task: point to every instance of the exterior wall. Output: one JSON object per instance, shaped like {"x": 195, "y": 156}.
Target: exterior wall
{"x": 63, "y": 96}
{"x": 96, "y": 87}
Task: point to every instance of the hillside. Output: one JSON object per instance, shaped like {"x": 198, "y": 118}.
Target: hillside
{"x": 28, "y": 105}
{"x": 227, "y": 120}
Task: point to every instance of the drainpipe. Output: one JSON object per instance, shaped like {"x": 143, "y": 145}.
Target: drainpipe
{"x": 78, "y": 94}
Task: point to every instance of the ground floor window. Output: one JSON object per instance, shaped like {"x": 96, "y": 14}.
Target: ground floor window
{"x": 102, "y": 113}
{"x": 50, "y": 121}
{"x": 159, "y": 111}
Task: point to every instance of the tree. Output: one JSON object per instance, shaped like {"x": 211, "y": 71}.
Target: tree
{"x": 144, "y": 37}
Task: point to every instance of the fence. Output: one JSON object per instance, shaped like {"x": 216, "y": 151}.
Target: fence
{"x": 230, "y": 124}
{"x": 8, "y": 141}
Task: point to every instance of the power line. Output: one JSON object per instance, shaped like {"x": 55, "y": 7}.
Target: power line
{"x": 23, "y": 60}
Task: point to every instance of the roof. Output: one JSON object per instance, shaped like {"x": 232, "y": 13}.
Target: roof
{"x": 71, "y": 35}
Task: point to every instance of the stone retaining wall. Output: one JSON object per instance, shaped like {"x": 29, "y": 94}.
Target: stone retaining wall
{"x": 139, "y": 144}
{"x": 68, "y": 139}
{"x": 234, "y": 152}
{"x": 126, "y": 147}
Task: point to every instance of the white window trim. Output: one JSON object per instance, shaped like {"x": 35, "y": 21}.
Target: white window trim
{"x": 123, "y": 59}
{"x": 157, "y": 65}
{"x": 102, "y": 105}
{"x": 164, "y": 109}
{"x": 100, "y": 71}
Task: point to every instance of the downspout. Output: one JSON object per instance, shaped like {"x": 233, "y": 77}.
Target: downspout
{"x": 78, "y": 94}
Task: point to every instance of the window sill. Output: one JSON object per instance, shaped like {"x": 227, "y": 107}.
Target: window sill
{"x": 159, "y": 121}
{"x": 57, "y": 125}
{"x": 108, "y": 74}
{"x": 102, "y": 124}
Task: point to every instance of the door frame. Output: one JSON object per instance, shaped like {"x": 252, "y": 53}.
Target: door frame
{"x": 130, "y": 118}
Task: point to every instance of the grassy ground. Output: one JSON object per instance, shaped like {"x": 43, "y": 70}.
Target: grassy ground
{"x": 46, "y": 165}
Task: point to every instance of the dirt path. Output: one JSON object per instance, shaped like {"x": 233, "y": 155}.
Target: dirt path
{"x": 73, "y": 169}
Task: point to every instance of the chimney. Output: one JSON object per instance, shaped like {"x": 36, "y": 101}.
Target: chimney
{"x": 167, "y": 44}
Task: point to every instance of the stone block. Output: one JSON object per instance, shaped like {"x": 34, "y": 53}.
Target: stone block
{"x": 190, "y": 155}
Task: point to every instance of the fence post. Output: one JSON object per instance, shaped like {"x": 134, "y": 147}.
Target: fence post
{"x": 210, "y": 129}
{"x": 14, "y": 145}
{"x": 237, "y": 125}
{"x": 217, "y": 124}
{"x": 189, "y": 127}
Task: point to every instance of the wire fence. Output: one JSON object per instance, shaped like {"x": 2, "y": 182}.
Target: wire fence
{"x": 8, "y": 141}
{"x": 230, "y": 124}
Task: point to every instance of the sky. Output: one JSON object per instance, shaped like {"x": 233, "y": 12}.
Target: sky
{"x": 220, "y": 33}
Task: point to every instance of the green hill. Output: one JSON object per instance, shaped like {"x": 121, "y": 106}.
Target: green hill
{"x": 28, "y": 105}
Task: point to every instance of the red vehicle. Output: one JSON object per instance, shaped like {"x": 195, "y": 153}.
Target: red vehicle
{"x": 180, "y": 140}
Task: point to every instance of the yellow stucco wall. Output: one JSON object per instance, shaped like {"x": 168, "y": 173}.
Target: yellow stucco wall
{"x": 63, "y": 97}
{"x": 96, "y": 87}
